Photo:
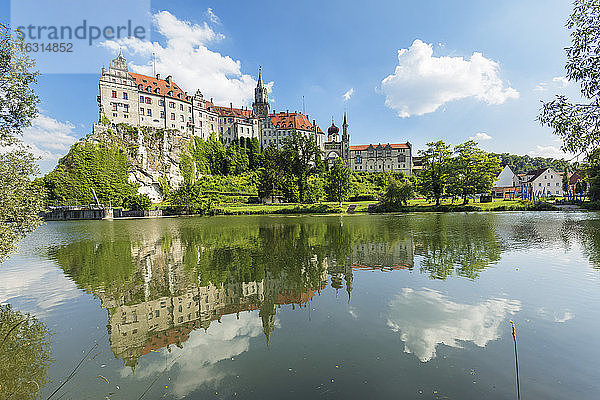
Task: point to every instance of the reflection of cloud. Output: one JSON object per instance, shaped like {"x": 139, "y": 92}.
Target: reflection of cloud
{"x": 556, "y": 316}
{"x": 198, "y": 360}
{"x": 426, "y": 318}
{"x": 352, "y": 312}
{"x": 41, "y": 286}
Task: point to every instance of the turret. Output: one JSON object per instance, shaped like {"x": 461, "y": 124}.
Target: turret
{"x": 261, "y": 104}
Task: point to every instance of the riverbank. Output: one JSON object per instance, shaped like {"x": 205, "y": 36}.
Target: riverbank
{"x": 373, "y": 207}
{"x": 361, "y": 207}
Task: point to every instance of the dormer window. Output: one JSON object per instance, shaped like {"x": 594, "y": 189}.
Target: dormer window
{"x": 141, "y": 87}
{"x": 158, "y": 90}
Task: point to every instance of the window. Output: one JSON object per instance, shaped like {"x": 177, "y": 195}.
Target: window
{"x": 181, "y": 107}
{"x": 557, "y": 184}
{"x": 162, "y": 114}
{"x": 149, "y": 112}
{"x": 200, "y": 124}
{"x": 148, "y": 100}
{"x": 172, "y": 116}
{"x": 126, "y": 107}
{"x": 142, "y": 111}
{"x": 124, "y": 95}
{"x": 540, "y": 184}
{"x": 161, "y": 102}
{"x": 548, "y": 183}
{"x": 401, "y": 158}
{"x": 171, "y": 104}
{"x": 181, "y": 118}
{"x": 141, "y": 99}
{"x": 114, "y": 94}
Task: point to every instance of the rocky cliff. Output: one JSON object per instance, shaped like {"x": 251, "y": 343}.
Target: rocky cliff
{"x": 155, "y": 154}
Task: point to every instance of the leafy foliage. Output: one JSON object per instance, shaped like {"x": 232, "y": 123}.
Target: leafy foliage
{"x": 577, "y": 123}
{"x": 18, "y": 102}
{"x": 397, "y": 193}
{"x": 523, "y": 164}
{"x": 436, "y": 170}
{"x": 137, "y": 202}
{"x": 339, "y": 181}
{"x": 20, "y": 199}
{"x": 103, "y": 167}
{"x": 472, "y": 170}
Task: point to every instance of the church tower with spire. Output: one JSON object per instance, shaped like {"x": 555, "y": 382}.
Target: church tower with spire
{"x": 261, "y": 104}
{"x": 345, "y": 141}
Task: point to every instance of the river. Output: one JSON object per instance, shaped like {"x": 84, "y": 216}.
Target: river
{"x": 295, "y": 307}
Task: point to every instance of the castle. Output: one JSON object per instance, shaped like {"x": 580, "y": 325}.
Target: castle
{"x": 146, "y": 101}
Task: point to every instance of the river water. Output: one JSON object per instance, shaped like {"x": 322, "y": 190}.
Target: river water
{"x": 296, "y": 307}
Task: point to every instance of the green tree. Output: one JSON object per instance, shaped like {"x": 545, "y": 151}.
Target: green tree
{"x": 315, "y": 189}
{"x": 339, "y": 181}
{"x": 397, "y": 192}
{"x": 270, "y": 175}
{"x": 576, "y": 123}
{"x": 565, "y": 180}
{"x": 103, "y": 167}
{"x": 20, "y": 198}
{"x": 302, "y": 158}
{"x": 472, "y": 170}
{"x": 137, "y": 202}
{"x": 436, "y": 169}
{"x": 24, "y": 354}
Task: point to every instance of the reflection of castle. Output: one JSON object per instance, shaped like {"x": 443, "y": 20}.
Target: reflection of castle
{"x": 167, "y": 306}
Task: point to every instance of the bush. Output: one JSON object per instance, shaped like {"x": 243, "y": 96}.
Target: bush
{"x": 137, "y": 202}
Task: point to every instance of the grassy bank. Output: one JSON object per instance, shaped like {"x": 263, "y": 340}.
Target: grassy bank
{"x": 363, "y": 207}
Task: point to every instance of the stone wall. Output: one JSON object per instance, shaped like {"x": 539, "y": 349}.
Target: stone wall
{"x": 154, "y": 153}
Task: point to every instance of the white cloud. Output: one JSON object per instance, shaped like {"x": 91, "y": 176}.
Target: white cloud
{"x": 212, "y": 16}
{"x": 48, "y": 138}
{"x": 548, "y": 152}
{"x": 348, "y": 94}
{"x": 422, "y": 83}
{"x": 188, "y": 59}
{"x": 426, "y": 318}
{"x": 480, "y": 136}
{"x": 558, "y": 82}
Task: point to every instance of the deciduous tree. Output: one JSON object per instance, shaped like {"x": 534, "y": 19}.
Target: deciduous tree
{"x": 436, "y": 168}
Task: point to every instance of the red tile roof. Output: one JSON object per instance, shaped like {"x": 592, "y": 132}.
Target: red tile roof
{"x": 286, "y": 120}
{"x": 232, "y": 112}
{"x": 392, "y": 145}
{"x": 150, "y": 84}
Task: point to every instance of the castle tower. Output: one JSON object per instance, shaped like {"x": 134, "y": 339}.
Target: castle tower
{"x": 345, "y": 141}
{"x": 261, "y": 104}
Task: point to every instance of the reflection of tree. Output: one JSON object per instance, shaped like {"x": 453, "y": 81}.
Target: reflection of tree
{"x": 465, "y": 245}
{"x": 107, "y": 265}
{"x": 588, "y": 234}
{"x": 24, "y": 354}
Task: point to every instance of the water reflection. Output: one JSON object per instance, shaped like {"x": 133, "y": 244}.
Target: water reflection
{"x": 161, "y": 282}
{"x": 426, "y": 318}
{"x": 24, "y": 354}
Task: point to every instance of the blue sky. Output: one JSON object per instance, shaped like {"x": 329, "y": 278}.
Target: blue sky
{"x": 488, "y": 67}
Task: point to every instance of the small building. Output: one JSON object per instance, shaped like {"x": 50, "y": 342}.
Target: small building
{"x": 543, "y": 182}
{"x": 392, "y": 157}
